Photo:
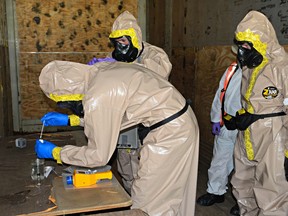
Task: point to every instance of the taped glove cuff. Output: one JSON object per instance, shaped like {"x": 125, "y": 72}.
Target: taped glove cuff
{"x": 286, "y": 153}
{"x": 56, "y": 154}
{"x": 74, "y": 120}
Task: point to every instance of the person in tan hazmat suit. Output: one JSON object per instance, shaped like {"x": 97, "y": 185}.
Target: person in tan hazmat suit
{"x": 261, "y": 151}
{"x": 126, "y": 37}
{"x": 116, "y": 96}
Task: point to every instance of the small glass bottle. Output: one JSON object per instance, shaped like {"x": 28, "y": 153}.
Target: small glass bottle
{"x": 37, "y": 172}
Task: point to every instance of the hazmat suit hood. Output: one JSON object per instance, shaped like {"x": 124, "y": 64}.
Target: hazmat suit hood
{"x": 126, "y": 24}
{"x": 60, "y": 84}
{"x": 257, "y": 29}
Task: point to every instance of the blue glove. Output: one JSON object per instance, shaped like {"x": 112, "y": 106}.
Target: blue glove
{"x": 44, "y": 149}
{"x": 216, "y": 128}
{"x": 107, "y": 59}
{"x": 95, "y": 60}
{"x": 55, "y": 119}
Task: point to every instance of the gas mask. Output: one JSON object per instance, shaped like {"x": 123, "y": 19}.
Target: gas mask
{"x": 124, "y": 52}
{"x": 248, "y": 57}
{"x": 75, "y": 106}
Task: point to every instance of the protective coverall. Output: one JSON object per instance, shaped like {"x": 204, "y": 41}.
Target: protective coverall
{"x": 116, "y": 96}
{"x": 222, "y": 162}
{"x": 151, "y": 57}
{"x": 259, "y": 183}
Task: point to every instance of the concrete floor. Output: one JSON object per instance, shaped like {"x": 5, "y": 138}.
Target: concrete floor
{"x": 19, "y": 194}
{"x": 219, "y": 209}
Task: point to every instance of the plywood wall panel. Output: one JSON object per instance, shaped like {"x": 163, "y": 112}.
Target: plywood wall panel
{"x": 182, "y": 75}
{"x": 156, "y": 23}
{"x": 6, "y": 126}
{"x": 60, "y": 30}
{"x": 68, "y": 25}
{"x": 196, "y": 74}
{"x": 207, "y": 23}
{"x": 33, "y": 102}
{"x": 211, "y": 64}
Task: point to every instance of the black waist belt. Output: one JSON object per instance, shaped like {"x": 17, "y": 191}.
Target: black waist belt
{"x": 262, "y": 116}
{"x": 243, "y": 121}
{"x": 143, "y": 131}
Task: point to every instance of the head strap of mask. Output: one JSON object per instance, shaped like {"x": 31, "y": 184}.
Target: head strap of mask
{"x": 125, "y": 52}
{"x": 75, "y": 106}
{"x": 248, "y": 57}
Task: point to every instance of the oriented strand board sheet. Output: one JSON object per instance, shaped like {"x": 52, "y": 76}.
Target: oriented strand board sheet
{"x": 60, "y": 30}
{"x": 105, "y": 196}
{"x": 34, "y": 104}
{"x": 211, "y": 64}
{"x": 68, "y": 26}
{"x": 132, "y": 212}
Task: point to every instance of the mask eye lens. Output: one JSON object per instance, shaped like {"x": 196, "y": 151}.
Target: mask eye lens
{"x": 123, "y": 40}
{"x": 245, "y": 44}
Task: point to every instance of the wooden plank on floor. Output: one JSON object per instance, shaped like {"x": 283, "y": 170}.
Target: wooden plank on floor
{"x": 132, "y": 212}
{"x": 108, "y": 195}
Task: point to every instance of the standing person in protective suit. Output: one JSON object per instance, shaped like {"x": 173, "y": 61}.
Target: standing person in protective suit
{"x": 116, "y": 96}
{"x": 126, "y": 37}
{"x": 261, "y": 151}
{"x": 226, "y": 101}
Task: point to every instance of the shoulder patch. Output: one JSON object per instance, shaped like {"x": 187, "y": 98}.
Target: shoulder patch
{"x": 270, "y": 92}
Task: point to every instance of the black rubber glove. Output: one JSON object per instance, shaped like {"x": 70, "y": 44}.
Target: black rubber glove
{"x": 286, "y": 168}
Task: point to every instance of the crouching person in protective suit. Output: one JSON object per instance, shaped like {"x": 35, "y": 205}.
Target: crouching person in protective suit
{"x": 116, "y": 96}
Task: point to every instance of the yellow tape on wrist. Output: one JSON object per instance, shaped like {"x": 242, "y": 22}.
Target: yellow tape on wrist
{"x": 56, "y": 154}
{"x": 286, "y": 153}
{"x": 74, "y": 120}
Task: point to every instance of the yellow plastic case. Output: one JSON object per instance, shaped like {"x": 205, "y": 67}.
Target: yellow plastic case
{"x": 81, "y": 179}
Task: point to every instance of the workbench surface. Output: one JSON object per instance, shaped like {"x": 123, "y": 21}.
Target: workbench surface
{"x": 20, "y": 195}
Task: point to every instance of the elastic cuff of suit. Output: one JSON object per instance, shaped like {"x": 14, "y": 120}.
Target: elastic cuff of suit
{"x": 286, "y": 153}
{"x": 56, "y": 154}
{"x": 74, "y": 120}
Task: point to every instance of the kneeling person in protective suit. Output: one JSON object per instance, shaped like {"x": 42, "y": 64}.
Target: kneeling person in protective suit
{"x": 116, "y": 96}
